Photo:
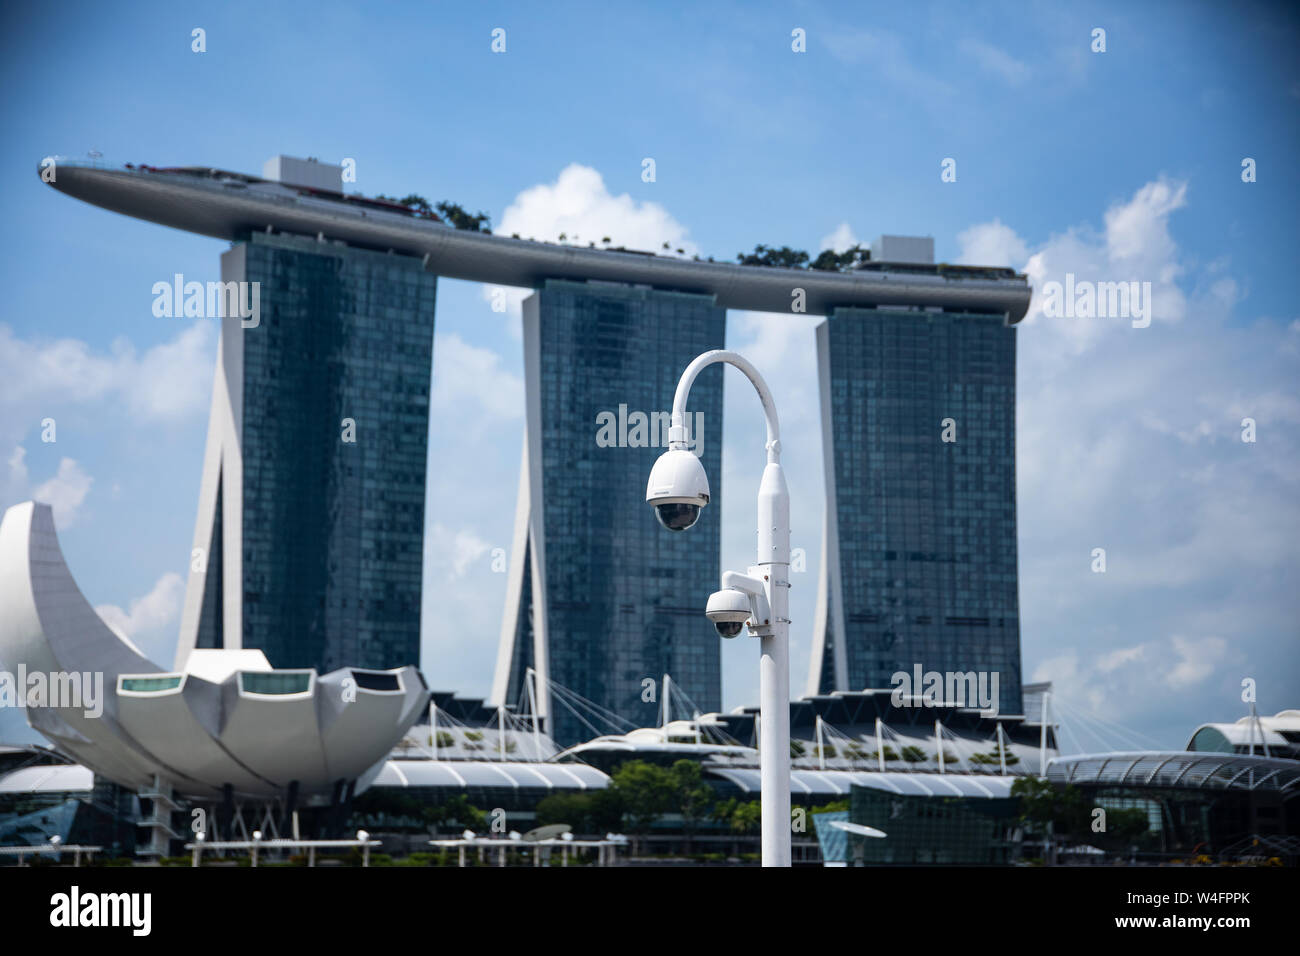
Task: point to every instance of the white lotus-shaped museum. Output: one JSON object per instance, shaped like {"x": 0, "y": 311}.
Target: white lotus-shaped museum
{"x": 227, "y": 723}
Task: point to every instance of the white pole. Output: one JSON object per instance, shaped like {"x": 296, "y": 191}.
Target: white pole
{"x": 1002, "y": 754}
{"x": 501, "y": 733}
{"x": 1042, "y": 740}
{"x": 697, "y": 727}
{"x": 667, "y": 689}
{"x": 938, "y": 743}
{"x": 774, "y": 660}
{"x": 433, "y": 727}
{"x": 880, "y": 744}
{"x": 1251, "y": 742}
{"x": 821, "y": 745}
{"x": 773, "y": 566}
{"x": 532, "y": 706}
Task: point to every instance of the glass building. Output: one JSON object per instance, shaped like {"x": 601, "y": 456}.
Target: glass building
{"x": 974, "y": 830}
{"x": 309, "y": 539}
{"x": 600, "y": 597}
{"x": 920, "y": 565}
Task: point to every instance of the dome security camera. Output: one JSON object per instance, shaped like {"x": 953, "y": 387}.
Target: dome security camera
{"x": 678, "y": 488}
{"x": 728, "y": 609}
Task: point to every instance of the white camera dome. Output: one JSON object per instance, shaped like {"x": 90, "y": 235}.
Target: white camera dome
{"x": 678, "y": 488}
{"x": 728, "y": 609}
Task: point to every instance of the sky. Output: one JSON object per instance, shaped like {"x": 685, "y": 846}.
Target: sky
{"x": 1123, "y": 164}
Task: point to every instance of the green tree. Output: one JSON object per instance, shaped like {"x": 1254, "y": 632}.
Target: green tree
{"x": 693, "y": 796}
{"x": 747, "y": 816}
{"x": 828, "y": 260}
{"x": 599, "y": 811}
{"x": 458, "y": 811}
{"x": 1128, "y": 824}
{"x": 458, "y": 217}
{"x": 646, "y": 791}
{"x": 737, "y": 815}
{"x": 784, "y": 258}
{"x": 1052, "y": 812}
{"x": 992, "y": 758}
{"x": 914, "y": 754}
{"x": 453, "y": 213}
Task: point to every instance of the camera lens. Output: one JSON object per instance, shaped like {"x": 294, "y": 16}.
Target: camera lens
{"x": 729, "y": 628}
{"x": 677, "y": 516}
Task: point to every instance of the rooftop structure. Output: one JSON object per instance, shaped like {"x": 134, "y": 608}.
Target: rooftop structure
{"x": 226, "y": 205}
{"x": 1276, "y": 736}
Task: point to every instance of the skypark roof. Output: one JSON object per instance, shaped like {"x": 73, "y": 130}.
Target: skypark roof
{"x": 230, "y": 205}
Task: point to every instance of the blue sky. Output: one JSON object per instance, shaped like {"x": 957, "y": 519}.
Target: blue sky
{"x": 1112, "y": 166}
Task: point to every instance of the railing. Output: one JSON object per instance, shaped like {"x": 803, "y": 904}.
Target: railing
{"x": 311, "y": 846}
{"x": 22, "y": 851}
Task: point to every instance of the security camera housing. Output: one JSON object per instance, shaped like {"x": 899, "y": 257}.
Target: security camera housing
{"x": 678, "y": 488}
{"x": 729, "y": 609}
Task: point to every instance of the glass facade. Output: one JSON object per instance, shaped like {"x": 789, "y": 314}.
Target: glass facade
{"x": 335, "y": 427}
{"x": 149, "y": 685}
{"x": 277, "y": 683}
{"x": 926, "y": 527}
{"x": 624, "y": 597}
{"x": 934, "y": 830}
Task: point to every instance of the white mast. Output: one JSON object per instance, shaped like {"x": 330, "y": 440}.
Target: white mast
{"x": 880, "y": 744}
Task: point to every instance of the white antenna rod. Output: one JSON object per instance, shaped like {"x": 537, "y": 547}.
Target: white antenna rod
{"x": 880, "y": 744}
{"x": 433, "y": 726}
{"x": 668, "y": 689}
{"x": 531, "y": 676}
{"x": 821, "y": 745}
{"x": 1042, "y": 740}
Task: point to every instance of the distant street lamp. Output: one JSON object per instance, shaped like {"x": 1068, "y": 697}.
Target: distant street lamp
{"x": 678, "y": 489}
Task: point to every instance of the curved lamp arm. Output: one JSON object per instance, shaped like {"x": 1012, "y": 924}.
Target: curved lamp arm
{"x": 677, "y": 433}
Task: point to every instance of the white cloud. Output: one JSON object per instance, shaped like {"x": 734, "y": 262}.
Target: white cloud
{"x": 168, "y": 383}
{"x": 1196, "y": 661}
{"x": 1129, "y": 439}
{"x": 882, "y": 53}
{"x": 151, "y": 613}
{"x": 992, "y": 244}
{"x": 18, "y": 467}
{"x": 580, "y": 207}
{"x": 1119, "y": 657}
{"x": 64, "y": 493}
{"x": 468, "y": 380}
{"x": 841, "y": 239}
{"x": 1138, "y": 231}
{"x": 1134, "y": 246}
{"x": 1120, "y": 684}
{"x": 147, "y": 625}
{"x": 996, "y": 61}
{"x": 453, "y": 552}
